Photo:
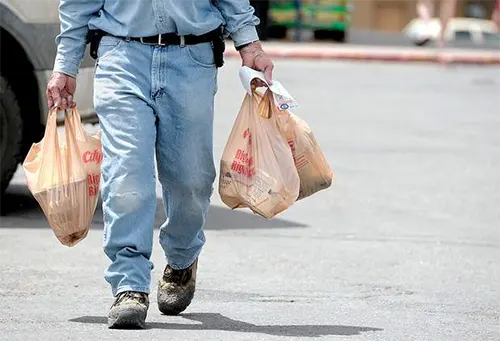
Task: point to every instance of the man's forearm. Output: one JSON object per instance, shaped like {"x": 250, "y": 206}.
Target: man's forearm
{"x": 240, "y": 19}
{"x": 71, "y": 41}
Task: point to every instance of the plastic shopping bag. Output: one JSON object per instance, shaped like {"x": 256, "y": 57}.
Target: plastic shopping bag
{"x": 314, "y": 171}
{"x": 63, "y": 174}
{"x": 257, "y": 169}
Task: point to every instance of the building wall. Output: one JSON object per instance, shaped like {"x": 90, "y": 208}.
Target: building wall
{"x": 382, "y": 15}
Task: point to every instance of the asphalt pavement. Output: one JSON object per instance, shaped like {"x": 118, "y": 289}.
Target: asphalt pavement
{"x": 403, "y": 246}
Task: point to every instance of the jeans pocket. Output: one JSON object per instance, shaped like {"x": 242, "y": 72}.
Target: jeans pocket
{"x": 201, "y": 54}
{"x": 107, "y": 46}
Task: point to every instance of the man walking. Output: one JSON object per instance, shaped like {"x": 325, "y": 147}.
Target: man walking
{"x": 154, "y": 88}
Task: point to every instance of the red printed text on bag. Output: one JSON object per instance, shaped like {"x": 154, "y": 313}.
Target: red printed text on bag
{"x": 93, "y": 181}
{"x": 299, "y": 160}
{"x": 243, "y": 163}
{"x": 92, "y": 156}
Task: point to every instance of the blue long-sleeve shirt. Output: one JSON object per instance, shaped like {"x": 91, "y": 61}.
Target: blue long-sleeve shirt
{"x": 142, "y": 18}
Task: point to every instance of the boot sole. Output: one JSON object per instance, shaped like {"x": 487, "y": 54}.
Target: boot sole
{"x": 167, "y": 307}
{"x": 128, "y": 320}
{"x": 170, "y": 311}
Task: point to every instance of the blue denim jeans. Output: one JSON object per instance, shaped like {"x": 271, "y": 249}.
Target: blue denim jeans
{"x": 154, "y": 102}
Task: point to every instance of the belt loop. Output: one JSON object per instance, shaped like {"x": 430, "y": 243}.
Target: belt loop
{"x": 183, "y": 41}
{"x": 159, "y": 40}
{"x": 141, "y": 40}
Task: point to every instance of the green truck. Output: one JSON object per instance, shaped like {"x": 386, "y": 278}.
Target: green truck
{"x": 328, "y": 19}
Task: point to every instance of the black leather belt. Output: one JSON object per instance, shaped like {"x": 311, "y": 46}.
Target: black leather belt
{"x": 174, "y": 39}
{"x": 215, "y": 36}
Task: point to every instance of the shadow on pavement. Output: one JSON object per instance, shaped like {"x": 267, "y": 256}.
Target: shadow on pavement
{"x": 215, "y": 321}
{"x": 19, "y": 203}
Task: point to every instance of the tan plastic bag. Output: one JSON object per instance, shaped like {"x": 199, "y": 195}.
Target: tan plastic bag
{"x": 63, "y": 174}
{"x": 314, "y": 171}
{"x": 257, "y": 169}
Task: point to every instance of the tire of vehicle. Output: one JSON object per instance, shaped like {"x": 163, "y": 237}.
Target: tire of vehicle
{"x": 336, "y": 35}
{"x": 12, "y": 133}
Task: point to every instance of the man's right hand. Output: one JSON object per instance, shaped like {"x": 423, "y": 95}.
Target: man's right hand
{"x": 60, "y": 91}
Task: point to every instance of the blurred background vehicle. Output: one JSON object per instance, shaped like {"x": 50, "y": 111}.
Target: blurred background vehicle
{"x": 471, "y": 30}
{"x": 328, "y": 19}
{"x": 27, "y": 45}
{"x": 374, "y": 22}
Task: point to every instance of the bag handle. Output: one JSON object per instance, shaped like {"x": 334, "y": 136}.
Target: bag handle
{"x": 73, "y": 127}
{"x": 76, "y": 122}
{"x": 51, "y": 139}
{"x": 265, "y": 103}
{"x": 51, "y": 123}
{"x": 50, "y": 146}
{"x": 73, "y": 132}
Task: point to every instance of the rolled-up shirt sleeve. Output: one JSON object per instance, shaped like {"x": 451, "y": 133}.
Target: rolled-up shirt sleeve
{"x": 74, "y": 16}
{"x": 240, "y": 20}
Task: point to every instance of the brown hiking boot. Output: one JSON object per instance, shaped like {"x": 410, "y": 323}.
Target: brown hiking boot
{"x": 176, "y": 289}
{"x": 129, "y": 311}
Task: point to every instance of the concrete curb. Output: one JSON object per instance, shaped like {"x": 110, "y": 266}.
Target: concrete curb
{"x": 371, "y": 54}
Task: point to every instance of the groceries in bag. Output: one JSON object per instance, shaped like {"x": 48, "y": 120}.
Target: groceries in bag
{"x": 257, "y": 168}
{"x": 63, "y": 174}
{"x": 314, "y": 171}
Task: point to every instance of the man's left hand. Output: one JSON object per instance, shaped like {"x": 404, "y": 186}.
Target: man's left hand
{"x": 255, "y": 58}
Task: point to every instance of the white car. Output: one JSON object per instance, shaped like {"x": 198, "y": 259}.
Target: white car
{"x": 27, "y": 46}
{"x": 476, "y": 31}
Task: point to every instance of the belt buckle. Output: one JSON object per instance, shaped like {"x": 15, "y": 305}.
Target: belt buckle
{"x": 159, "y": 41}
